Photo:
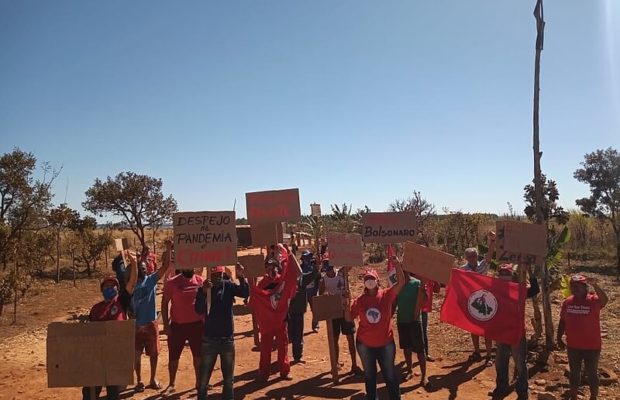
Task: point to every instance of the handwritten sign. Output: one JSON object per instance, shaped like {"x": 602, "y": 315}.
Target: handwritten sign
{"x": 428, "y": 263}
{"x": 266, "y": 234}
{"x": 204, "y": 239}
{"x": 327, "y": 307}
{"x": 315, "y": 210}
{"x": 345, "y": 249}
{"x": 91, "y": 354}
{"x": 520, "y": 242}
{"x": 121, "y": 244}
{"x": 253, "y": 265}
{"x": 273, "y": 206}
{"x": 388, "y": 227}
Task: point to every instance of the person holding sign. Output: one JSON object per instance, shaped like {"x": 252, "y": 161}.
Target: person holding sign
{"x": 269, "y": 299}
{"x": 219, "y": 327}
{"x": 375, "y": 338}
{"x": 298, "y": 308}
{"x": 410, "y": 333}
{"x": 147, "y": 329}
{"x": 430, "y": 287}
{"x": 580, "y": 319}
{"x": 181, "y": 322}
{"x": 480, "y": 267}
{"x": 113, "y": 308}
{"x": 333, "y": 284}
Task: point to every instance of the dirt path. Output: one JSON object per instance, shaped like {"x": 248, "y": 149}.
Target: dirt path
{"x": 23, "y": 354}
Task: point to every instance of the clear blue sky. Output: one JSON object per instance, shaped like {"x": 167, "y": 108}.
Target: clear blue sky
{"x": 352, "y": 101}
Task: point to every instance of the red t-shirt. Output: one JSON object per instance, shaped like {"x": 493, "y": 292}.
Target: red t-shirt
{"x": 582, "y": 322}
{"x": 430, "y": 287}
{"x": 151, "y": 263}
{"x": 182, "y": 294}
{"x": 375, "y": 314}
{"x": 108, "y": 311}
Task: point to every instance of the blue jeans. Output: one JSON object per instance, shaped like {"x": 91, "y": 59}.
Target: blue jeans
{"x": 211, "y": 348}
{"x": 296, "y": 334}
{"x": 424, "y": 318}
{"x": 385, "y": 357}
{"x": 502, "y": 359}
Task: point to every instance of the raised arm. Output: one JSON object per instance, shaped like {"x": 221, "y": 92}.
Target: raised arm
{"x": 402, "y": 279}
{"x": 602, "y": 296}
{"x": 165, "y": 264}
{"x": 133, "y": 270}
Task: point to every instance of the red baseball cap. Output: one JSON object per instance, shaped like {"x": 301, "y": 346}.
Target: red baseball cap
{"x": 215, "y": 270}
{"x": 111, "y": 279}
{"x": 371, "y": 274}
{"x": 578, "y": 278}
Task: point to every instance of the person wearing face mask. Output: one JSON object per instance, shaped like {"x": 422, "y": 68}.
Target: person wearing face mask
{"x": 518, "y": 351}
{"x": 113, "y": 308}
{"x": 308, "y": 264}
{"x": 269, "y": 300}
{"x": 219, "y": 328}
{"x": 580, "y": 319}
{"x": 375, "y": 338}
{"x": 480, "y": 267}
{"x": 333, "y": 284}
{"x": 181, "y": 321}
{"x": 145, "y": 312}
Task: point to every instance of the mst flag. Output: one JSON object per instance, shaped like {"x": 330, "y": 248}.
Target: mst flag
{"x": 485, "y": 306}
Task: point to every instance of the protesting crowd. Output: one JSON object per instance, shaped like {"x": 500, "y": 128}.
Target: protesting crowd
{"x": 198, "y": 311}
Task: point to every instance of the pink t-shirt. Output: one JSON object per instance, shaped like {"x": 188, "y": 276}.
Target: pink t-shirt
{"x": 182, "y": 294}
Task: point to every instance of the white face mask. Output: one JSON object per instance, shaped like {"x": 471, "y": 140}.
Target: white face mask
{"x": 370, "y": 284}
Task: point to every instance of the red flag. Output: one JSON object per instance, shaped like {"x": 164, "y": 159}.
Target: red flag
{"x": 485, "y": 306}
{"x": 391, "y": 266}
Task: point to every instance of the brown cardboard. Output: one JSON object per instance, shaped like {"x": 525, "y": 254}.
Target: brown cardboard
{"x": 273, "y": 206}
{"x": 428, "y": 263}
{"x": 253, "y": 265}
{"x": 90, "y": 354}
{"x": 520, "y": 242}
{"x": 266, "y": 234}
{"x": 327, "y": 307}
{"x": 388, "y": 227}
{"x": 345, "y": 249}
{"x": 204, "y": 239}
{"x": 121, "y": 244}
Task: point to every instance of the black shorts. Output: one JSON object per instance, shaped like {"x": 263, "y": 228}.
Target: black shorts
{"x": 343, "y": 326}
{"x": 410, "y": 336}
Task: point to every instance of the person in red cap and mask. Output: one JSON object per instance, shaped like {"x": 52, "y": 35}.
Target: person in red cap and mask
{"x": 580, "y": 319}
{"x": 113, "y": 308}
{"x": 269, "y": 300}
{"x": 375, "y": 338}
{"x": 218, "y": 338}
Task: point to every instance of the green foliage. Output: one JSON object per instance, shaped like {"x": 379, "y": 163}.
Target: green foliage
{"x": 551, "y": 210}
{"x": 138, "y": 199}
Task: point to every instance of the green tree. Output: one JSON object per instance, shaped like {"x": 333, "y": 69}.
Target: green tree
{"x": 601, "y": 170}
{"x": 59, "y": 219}
{"x": 550, "y": 208}
{"x": 88, "y": 243}
{"x": 344, "y": 219}
{"x": 138, "y": 199}
{"x": 424, "y": 212}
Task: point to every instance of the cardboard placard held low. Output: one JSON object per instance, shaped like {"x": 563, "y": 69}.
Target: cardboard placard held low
{"x": 520, "y": 242}
{"x": 327, "y": 307}
{"x": 90, "y": 354}
{"x": 266, "y": 234}
{"x": 253, "y": 265}
{"x": 388, "y": 227}
{"x": 345, "y": 249}
{"x": 428, "y": 263}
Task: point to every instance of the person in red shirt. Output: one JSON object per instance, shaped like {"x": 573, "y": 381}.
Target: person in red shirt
{"x": 181, "y": 322}
{"x": 430, "y": 287}
{"x": 149, "y": 259}
{"x": 580, "y": 320}
{"x": 269, "y": 299}
{"x": 375, "y": 338}
{"x": 113, "y": 308}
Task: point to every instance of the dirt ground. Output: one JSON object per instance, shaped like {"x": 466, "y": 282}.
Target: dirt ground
{"x": 23, "y": 356}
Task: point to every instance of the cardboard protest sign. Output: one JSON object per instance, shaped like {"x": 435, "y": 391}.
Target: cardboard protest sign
{"x": 273, "y": 206}
{"x": 345, "y": 249}
{"x": 428, "y": 263}
{"x": 204, "y": 239}
{"x": 90, "y": 354}
{"x": 121, "y": 244}
{"x": 315, "y": 210}
{"x": 266, "y": 234}
{"x": 253, "y": 265}
{"x": 520, "y": 241}
{"x": 388, "y": 227}
{"x": 327, "y": 307}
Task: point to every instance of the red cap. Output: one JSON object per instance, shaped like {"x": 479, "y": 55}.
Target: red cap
{"x": 371, "y": 274}
{"x": 215, "y": 270}
{"x": 109, "y": 279}
{"x": 578, "y": 279}
{"x": 505, "y": 268}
